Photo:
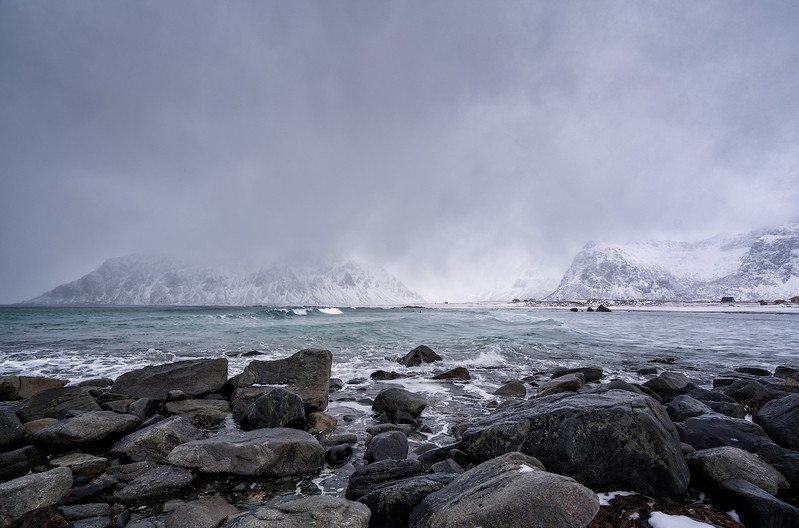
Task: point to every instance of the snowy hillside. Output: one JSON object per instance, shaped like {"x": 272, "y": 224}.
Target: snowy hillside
{"x": 146, "y": 280}
{"x": 760, "y": 265}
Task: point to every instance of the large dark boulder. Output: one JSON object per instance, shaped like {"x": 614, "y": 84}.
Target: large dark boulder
{"x": 56, "y": 403}
{"x": 367, "y": 479}
{"x": 276, "y": 452}
{"x": 512, "y": 490}
{"x": 779, "y": 418}
{"x": 194, "y": 377}
{"x": 392, "y": 504}
{"x": 668, "y": 385}
{"x": 458, "y": 373}
{"x": 394, "y": 399}
{"x": 306, "y": 373}
{"x": 276, "y": 408}
{"x": 419, "y": 355}
{"x": 610, "y": 440}
{"x": 756, "y": 507}
{"x": 590, "y": 373}
{"x": 86, "y": 428}
{"x": 718, "y": 464}
{"x": 12, "y": 432}
{"x": 714, "y": 430}
{"x": 18, "y": 462}
{"x": 683, "y": 407}
{"x": 389, "y": 445}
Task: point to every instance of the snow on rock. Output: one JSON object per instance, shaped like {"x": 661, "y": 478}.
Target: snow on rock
{"x": 759, "y": 265}
{"x": 150, "y": 280}
{"x": 664, "y": 520}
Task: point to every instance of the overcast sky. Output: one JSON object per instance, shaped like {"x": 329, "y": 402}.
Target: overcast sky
{"x": 454, "y": 143}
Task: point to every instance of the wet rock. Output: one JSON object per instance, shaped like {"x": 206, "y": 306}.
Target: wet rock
{"x": 391, "y": 445}
{"x": 512, "y": 490}
{"x": 419, "y": 355}
{"x": 779, "y": 418}
{"x": 382, "y": 375}
{"x": 565, "y": 383}
{"x": 514, "y": 389}
{"x": 573, "y": 310}
{"x": 81, "y": 464}
{"x": 333, "y": 439}
{"x": 243, "y": 398}
{"x": 21, "y": 387}
{"x": 590, "y": 374}
{"x": 588, "y": 435}
{"x": 668, "y": 385}
{"x": 683, "y": 407}
{"x": 96, "y": 382}
{"x": 317, "y": 511}
{"x": 602, "y": 308}
{"x": 756, "y": 507}
{"x": 719, "y": 402}
{"x": 143, "y": 408}
{"x": 395, "y": 399}
{"x": 85, "y": 511}
{"x": 747, "y": 390}
{"x": 28, "y": 493}
{"x": 369, "y": 478}
{"x": 12, "y": 432}
{"x": 645, "y": 371}
{"x": 722, "y": 463}
{"x": 322, "y": 422}
{"x": 157, "y": 484}
{"x": 754, "y": 371}
{"x": 18, "y": 462}
{"x": 86, "y": 428}
{"x": 56, "y": 403}
{"x": 458, "y": 373}
{"x": 194, "y": 377}
{"x": 335, "y": 385}
{"x": 446, "y": 466}
{"x": 706, "y": 431}
{"x": 275, "y": 452}
{"x": 206, "y": 512}
{"x": 338, "y": 455}
{"x": 785, "y": 372}
{"x": 306, "y": 373}
{"x": 392, "y": 504}
{"x": 155, "y": 442}
{"x": 276, "y": 408}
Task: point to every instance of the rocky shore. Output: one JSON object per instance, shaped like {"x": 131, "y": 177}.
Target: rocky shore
{"x": 284, "y": 445}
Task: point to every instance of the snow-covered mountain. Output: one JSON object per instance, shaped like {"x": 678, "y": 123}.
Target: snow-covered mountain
{"x": 758, "y": 265}
{"x": 150, "y": 280}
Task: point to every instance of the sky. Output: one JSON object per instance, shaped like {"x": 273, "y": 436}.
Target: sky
{"x": 458, "y": 144}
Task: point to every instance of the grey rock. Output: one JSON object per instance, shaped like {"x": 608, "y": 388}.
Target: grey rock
{"x": 37, "y": 490}
{"x": 18, "y": 462}
{"x": 81, "y": 464}
{"x": 419, "y": 355}
{"x": 206, "y": 512}
{"x": 754, "y": 371}
{"x": 277, "y": 408}
{"x": 96, "y": 382}
{"x": 706, "y": 431}
{"x": 195, "y": 378}
{"x": 722, "y": 463}
{"x": 143, "y": 408}
{"x": 369, "y": 478}
{"x": 56, "y": 403}
{"x": 336, "y": 438}
{"x": 392, "y": 504}
{"x": 758, "y": 508}
{"x": 514, "y": 388}
{"x": 93, "y": 522}
{"x": 12, "y": 432}
{"x": 322, "y": 422}
{"x": 683, "y": 407}
{"x": 275, "y": 452}
{"x": 446, "y": 466}
{"x": 338, "y": 455}
{"x": 391, "y": 445}
{"x": 21, "y": 387}
{"x": 746, "y": 390}
{"x": 157, "y": 484}
{"x": 319, "y": 511}
{"x": 458, "y": 373}
{"x": 306, "y": 373}
{"x": 395, "y": 399}
{"x": 564, "y": 383}
{"x": 243, "y": 398}
{"x": 509, "y": 491}
{"x": 589, "y": 373}
{"x": 155, "y": 442}
{"x": 207, "y": 409}
{"x": 86, "y": 428}
{"x": 613, "y": 439}
{"x": 128, "y": 472}
{"x": 85, "y": 511}
{"x": 779, "y": 418}
{"x": 668, "y": 385}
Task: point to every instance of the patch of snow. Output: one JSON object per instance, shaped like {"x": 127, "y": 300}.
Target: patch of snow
{"x": 664, "y": 520}
{"x": 734, "y": 515}
{"x": 525, "y": 469}
{"x": 605, "y": 498}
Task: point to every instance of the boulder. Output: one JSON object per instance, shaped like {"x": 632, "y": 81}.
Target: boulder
{"x": 609, "y": 439}
{"x": 419, "y": 355}
{"x": 391, "y": 445}
{"x": 668, "y": 385}
{"x": 719, "y": 402}
{"x": 155, "y": 485}
{"x": 81, "y": 464}
{"x": 18, "y": 462}
{"x": 513, "y": 389}
{"x": 86, "y": 428}
{"x": 322, "y": 422}
{"x": 56, "y": 403}
{"x": 512, "y": 490}
{"x": 338, "y": 455}
{"x": 717, "y": 464}
{"x": 564, "y": 383}
{"x": 306, "y": 373}
{"x": 28, "y": 493}
{"x": 194, "y": 377}
{"x": 374, "y": 476}
{"x": 37, "y": 425}
{"x": 458, "y": 373}
{"x": 395, "y": 399}
{"x": 144, "y": 408}
{"x": 242, "y": 399}
{"x": 85, "y": 511}
{"x": 129, "y": 472}
{"x": 319, "y": 511}
{"x": 277, "y": 408}
{"x": 714, "y": 430}
{"x": 602, "y": 308}
{"x": 683, "y": 407}
{"x": 746, "y": 390}
{"x": 756, "y": 507}
{"x": 392, "y": 504}
{"x": 275, "y": 452}
{"x": 213, "y": 410}
{"x": 779, "y": 418}
{"x": 754, "y": 371}
{"x": 589, "y": 373}
{"x": 206, "y": 512}
{"x": 12, "y": 432}
{"x": 785, "y": 372}
{"x": 382, "y": 375}
{"x": 21, "y": 387}
{"x": 154, "y": 443}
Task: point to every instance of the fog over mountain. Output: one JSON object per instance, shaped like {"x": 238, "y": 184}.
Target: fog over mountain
{"x": 469, "y": 148}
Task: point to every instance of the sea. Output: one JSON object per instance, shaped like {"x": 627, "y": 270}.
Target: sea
{"x": 496, "y": 343}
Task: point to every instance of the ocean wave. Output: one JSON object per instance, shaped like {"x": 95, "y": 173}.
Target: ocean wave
{"x": 330, "y": 311}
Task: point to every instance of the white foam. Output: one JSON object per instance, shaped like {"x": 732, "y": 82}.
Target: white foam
{"x": 300, "y": 311}
{"x": 330, "y": 311}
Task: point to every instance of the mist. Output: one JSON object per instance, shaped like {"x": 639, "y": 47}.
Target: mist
{"x": 457, "y": 144}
